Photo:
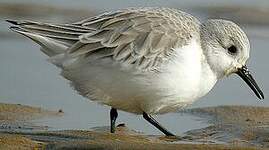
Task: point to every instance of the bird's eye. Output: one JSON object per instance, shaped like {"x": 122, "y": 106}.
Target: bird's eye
{"x": 232, "y": 50}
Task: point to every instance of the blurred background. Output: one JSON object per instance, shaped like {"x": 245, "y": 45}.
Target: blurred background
{"x": 27, "y": 78}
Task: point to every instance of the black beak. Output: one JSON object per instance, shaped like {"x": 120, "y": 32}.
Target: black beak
{"x": 247, "y": 77}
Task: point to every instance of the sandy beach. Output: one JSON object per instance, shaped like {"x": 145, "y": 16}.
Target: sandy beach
{"x": 233, "y": 127}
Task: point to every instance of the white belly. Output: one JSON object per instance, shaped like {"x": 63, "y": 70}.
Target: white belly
{"x": 185, "y": 79}
{"x": 179, "y": 83}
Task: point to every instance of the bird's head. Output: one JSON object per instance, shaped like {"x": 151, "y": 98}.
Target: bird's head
{"x": 226, "y": 48}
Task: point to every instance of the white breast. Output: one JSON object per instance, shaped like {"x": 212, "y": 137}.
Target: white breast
{"x": 186, "y": 78}
{"x": 180, "y": 81}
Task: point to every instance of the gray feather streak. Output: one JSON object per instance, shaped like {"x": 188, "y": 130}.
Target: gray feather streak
{"x": 140, "y": 37}
{"x": 137, "y": 36}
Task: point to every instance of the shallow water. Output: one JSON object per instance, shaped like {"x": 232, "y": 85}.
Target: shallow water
{"x": 27, "y": 78}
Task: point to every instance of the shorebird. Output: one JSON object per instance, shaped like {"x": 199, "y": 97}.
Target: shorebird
{"x": 144, "y": 60}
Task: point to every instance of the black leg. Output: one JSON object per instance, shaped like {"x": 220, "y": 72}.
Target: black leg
{"x": 113, "y": 117}
{"x": 156, "y": 124}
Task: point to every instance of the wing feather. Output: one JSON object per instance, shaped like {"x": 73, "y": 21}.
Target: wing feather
{"x": 140, "y": 37}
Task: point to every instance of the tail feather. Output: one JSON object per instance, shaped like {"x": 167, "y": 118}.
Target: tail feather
{"x": 49, "y": 46}
{"x": 54, "y": 39}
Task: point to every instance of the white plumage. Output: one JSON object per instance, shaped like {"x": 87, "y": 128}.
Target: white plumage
{"x": 176, "y": 84}
{"x": 144, "y": 60}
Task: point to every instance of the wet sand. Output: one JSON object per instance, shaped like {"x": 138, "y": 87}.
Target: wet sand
{"x": 240, "y": 125}
{"x": 16, "y": 112}
{"x": 233, "y": 127}
{"x": 18, "y": 117}
{"x": 98, "y": 140}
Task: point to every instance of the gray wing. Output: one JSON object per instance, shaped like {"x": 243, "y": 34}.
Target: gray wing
{"x": 142, "y": 37}
{"x": 54, "y": 39}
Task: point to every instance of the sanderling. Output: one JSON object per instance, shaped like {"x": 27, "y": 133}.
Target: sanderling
{"x": 144, "y": 60}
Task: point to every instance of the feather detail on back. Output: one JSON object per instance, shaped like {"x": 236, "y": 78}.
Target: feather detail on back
{"x": 143, "y": 37}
